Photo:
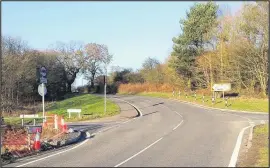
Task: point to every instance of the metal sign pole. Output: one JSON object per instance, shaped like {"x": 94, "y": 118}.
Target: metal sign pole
{"x": 43, "y": 101}
{"x": 105, "y": 83}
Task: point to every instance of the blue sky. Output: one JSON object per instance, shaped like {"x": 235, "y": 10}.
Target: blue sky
{"x": 132, "y": 31}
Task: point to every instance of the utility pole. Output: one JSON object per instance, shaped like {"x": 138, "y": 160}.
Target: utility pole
{"x": 105, "y": 85}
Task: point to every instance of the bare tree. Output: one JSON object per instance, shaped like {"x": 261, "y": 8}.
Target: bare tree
{"x": 70, "y": 55}
{"x": 95, "y": 55}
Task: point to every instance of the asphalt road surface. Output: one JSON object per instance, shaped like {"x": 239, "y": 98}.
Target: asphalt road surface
{"x": 168, "y": 133}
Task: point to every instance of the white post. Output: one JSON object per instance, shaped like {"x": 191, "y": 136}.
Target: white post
{"x": 223, "y": 95}
{"x": 43, "y": 101}
{"x": 22, "y": 120}
{"x": 68, "y": 114}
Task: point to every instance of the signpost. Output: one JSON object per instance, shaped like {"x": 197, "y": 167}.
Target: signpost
{"x": 33, "y": 116}
{"x": 105, "y": 85}
{"x": 74, "y": 111}
{"x": 42, "y": 88}
{"x": 223, "y": 87}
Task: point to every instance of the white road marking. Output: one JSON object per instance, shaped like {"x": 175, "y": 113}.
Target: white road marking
{"x": 138, "y": 152}
{"x": 132, "y": 105}
{"x": 178, "y": 114}
{"x": 178, "y": 125}
{"x": 54, "y": 154}
{"x": 85, "y": 140}
{"x": 237, "y": 148}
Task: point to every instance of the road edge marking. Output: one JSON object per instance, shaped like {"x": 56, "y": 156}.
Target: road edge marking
{"x": 137, "y": 109}
{"x": 236, "y": 150}
{"x": 178, "y": 125}
{"x": 54, "y": 154}
{"x": 138, "y": 152}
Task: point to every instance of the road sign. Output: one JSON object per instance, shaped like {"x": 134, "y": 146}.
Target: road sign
{"x": 43, "y": 71}
{"x": 43, "y": 80}
{"x": 40, "y": 91}
{"x": 29, "y": 116}
{"x": 74, "y": 111}
{"x": 223, "y": 87}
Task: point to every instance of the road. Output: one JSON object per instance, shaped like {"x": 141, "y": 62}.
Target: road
{"x": 168, "y": 133}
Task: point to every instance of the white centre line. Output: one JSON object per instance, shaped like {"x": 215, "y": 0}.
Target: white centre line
{"x": 138, "y": 152}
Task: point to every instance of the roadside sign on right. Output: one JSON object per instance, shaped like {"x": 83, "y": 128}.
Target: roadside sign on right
{"x": 222, "y": 87}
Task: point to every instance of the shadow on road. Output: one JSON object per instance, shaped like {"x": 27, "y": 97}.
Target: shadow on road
{"x": 151, "y": 113}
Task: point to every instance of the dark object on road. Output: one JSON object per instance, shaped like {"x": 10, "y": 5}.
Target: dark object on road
{"x": 158, "y": 104}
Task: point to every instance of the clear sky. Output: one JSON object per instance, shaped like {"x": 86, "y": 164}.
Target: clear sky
{"x": 132, "y": 31}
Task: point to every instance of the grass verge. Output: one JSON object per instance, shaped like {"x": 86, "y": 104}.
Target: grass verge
{"x": 258, "y": 154}
{"x": 92, "y": 108}
{"x": 241, "y": 104}
{"x": 262, "y": 131}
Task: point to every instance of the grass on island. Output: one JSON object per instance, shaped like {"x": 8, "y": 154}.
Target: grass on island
{"x": 242, "y": 104}
{"x": 92, "y": 108}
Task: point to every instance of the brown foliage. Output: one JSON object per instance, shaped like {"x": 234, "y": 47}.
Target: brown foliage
{"x": 146, "y": 87}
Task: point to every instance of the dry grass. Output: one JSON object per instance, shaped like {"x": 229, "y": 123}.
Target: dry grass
{"x": 145, "y": 87}
{"x": 165, "y": 91}
{"x": 49, "y": 132}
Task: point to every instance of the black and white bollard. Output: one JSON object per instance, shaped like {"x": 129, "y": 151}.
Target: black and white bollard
{"x": 213, "y": 100}
{"x": 203, "y": 98}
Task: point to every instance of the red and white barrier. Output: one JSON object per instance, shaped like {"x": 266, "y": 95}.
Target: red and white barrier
{"x": 63, "y": 125}
{"x": 36, "y": 145}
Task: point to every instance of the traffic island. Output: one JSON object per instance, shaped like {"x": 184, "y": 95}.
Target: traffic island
{"x": 13, "y": 149}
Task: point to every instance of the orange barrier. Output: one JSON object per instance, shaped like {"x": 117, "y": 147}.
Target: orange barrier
{"x": 36, "y": 145}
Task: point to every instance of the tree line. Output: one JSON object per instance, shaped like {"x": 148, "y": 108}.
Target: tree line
{"x": 63, "y": 61}
{"x": 214, "y": 47}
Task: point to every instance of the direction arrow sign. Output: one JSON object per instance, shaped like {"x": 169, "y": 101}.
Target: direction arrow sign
{"x": 40, "y": 91}
{"x": 43, "y": 71}
{"x": 43, "y": 80}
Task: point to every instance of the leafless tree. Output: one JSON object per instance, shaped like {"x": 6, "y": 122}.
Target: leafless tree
{"x": 96, "y": 56}
{"x": 70, "y": 55}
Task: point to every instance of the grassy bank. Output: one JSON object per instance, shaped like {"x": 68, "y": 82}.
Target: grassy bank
{"x": 261, "y": 135}
{"x": 244, "y": 104}
{"x": 92, "y": 107}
